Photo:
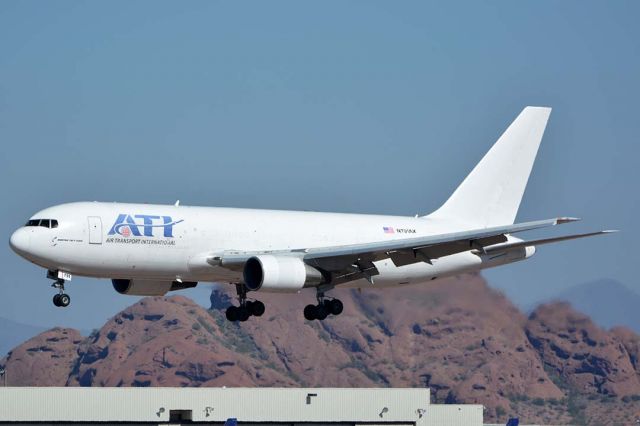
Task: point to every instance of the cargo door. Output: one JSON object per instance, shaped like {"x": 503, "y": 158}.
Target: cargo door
{"x": 95, "y": 230}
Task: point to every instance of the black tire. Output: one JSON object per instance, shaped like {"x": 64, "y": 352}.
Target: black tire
{"x": 321, "y": 312}
{"x": 64, "y": 300}
{"x": 310, "y": 312}
{"x": 56, "y": 300}
{"x": 243, "y": 314}
{"x": 257, "y": 308}
{"x": 232, "y": 313}
{"x": 335, "y": 306}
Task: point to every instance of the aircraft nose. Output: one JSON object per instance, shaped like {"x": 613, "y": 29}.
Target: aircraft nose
{"x": 20, "y": 241}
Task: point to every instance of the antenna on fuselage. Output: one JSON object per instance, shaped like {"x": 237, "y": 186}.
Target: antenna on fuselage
{"x": 177, "y": 203}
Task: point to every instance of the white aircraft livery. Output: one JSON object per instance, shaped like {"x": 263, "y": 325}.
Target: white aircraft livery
{"x": 153, "y": 249}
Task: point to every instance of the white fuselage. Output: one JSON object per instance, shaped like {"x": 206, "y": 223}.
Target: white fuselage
{"x": 166, "y": 242}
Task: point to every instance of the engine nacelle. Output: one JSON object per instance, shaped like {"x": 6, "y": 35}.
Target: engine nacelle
{"x": 279, "y": 274}
{"x": 149, "y": 287}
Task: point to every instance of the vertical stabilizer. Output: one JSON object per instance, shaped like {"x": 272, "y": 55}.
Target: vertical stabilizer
{"x": 490, "y": 195}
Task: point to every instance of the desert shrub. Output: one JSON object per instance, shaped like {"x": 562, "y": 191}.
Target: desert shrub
{"x": 203, "y": 322}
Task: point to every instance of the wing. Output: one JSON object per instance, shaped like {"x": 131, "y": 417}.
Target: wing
{"x": 354, "y": 262}
{"x": 350, "y": 262}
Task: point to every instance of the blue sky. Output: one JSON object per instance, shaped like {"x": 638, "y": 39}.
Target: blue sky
{"x": 372, "y": 107}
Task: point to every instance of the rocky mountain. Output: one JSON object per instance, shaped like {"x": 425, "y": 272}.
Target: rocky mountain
{"x": 13, "y": 333}
{"x": 465, "y": 341}
{"x": 608, "y": 302}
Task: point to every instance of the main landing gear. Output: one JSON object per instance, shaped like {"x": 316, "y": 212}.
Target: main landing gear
{"x": 246, "y": 309}
{"x": 323, "y": 309}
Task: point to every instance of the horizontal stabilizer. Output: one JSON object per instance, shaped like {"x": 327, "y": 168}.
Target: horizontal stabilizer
{"x": 507, "y": 246}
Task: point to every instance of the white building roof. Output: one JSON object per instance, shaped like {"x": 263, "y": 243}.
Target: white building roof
{"x": 290, "y": 405}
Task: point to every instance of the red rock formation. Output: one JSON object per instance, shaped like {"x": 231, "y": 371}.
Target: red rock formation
{"x": 44, "y": 360}
{"x": 167, "y": 342}
{"x": 587, "y": 357}
{"x": 465, "y": 341}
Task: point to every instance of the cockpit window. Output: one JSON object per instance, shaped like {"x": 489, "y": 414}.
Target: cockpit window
{"x": 46, "y": 223}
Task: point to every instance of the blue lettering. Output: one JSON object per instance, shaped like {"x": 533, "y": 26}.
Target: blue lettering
{"x": 126, "y": 225}
{"x": 148, "y": 224}
{"x": 131, "y": 224}
{"x": 168, "y": 226}
{"x": 119, "y": 220}
{"x": 124, "y": 221}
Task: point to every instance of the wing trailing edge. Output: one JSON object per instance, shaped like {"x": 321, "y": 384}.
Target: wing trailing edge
{"x": 512, "y": 245}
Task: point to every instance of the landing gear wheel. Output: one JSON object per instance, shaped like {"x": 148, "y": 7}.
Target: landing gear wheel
{"x": 232, "y": 313}
{"x": 256, "y": 308}
{"x": 246, "y": 309}
{"x": 61, "y": 300}
{"x": 243, "y": 314}
{"x": 321, "y": 312}
{"x": 324, "y": 308}
{"x": 310, "y": 312}
{"x": 64, "y": 300}
{"x": 334, "y": 306}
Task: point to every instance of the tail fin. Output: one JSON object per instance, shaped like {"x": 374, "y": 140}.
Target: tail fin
{"x": 490, "y": 195}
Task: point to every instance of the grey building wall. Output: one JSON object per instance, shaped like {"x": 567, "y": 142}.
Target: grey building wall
{"x": 248, "y": 405}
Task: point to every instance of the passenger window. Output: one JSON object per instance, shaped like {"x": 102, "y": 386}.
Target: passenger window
{"x": 44, "y": 223}
{"x": 54, "y": 223}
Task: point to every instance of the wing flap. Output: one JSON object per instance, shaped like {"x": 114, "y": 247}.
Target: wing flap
{"x": 435, "y": 251}
{"x": 507, "y": 246}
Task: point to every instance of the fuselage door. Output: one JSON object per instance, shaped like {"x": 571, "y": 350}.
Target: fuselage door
{"x": 95, "y": 230}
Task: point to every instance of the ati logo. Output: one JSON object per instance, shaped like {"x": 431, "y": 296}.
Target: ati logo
{"x": 126, "y": 225}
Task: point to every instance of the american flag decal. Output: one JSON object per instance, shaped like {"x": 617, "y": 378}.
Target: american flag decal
{"x": 388, "y": 230}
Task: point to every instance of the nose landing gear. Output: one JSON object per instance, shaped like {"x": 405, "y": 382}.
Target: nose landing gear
{"x": 61, "y": 300}
{"x": 246, "y": 309}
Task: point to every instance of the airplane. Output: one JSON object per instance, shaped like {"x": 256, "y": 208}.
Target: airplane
{"x": 149, "y": 250}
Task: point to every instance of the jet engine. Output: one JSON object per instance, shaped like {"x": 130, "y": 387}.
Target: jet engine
{"x": 149, "y": 287}
{"x": 279, "y": 274}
